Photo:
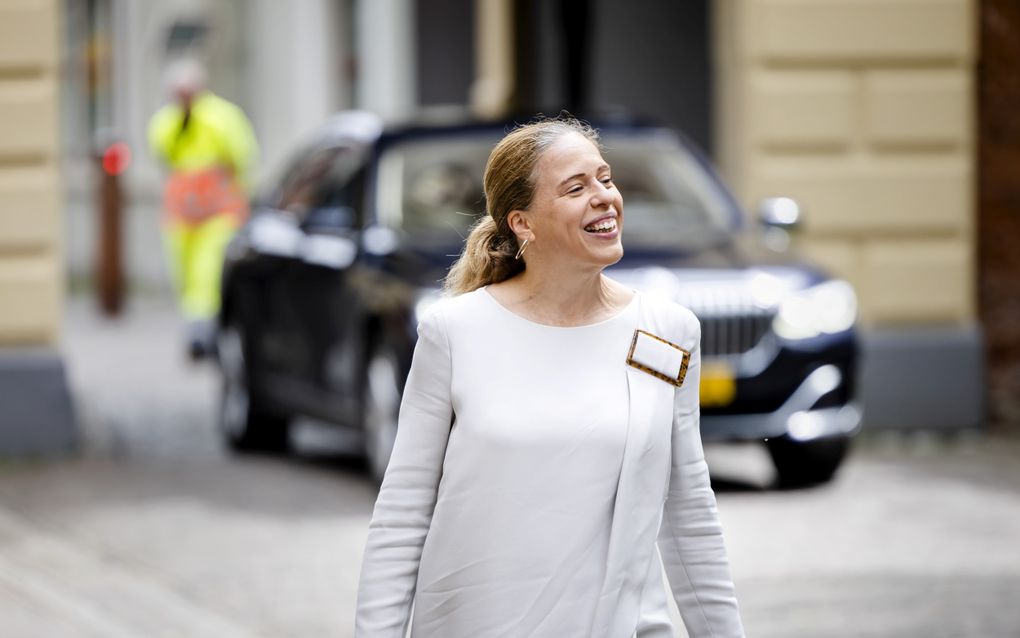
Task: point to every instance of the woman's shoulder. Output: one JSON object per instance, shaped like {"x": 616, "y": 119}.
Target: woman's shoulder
{"x": 452, "y": 309}
{"x": 678, "y": 322}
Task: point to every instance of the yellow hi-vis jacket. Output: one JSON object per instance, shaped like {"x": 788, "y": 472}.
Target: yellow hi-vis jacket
{"x": 210, "y": 158}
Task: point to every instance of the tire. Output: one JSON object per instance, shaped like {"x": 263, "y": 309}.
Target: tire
{"x": 805, "y": 463}
{"x": 381, "y": 403}
{"x": 244, "y": 426}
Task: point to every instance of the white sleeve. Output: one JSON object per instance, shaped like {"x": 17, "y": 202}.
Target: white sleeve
{"x": 407, "y": 498}
{"x": 690, "y": 539}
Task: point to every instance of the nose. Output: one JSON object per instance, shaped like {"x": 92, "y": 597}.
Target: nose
{"x": 602, "y": 196}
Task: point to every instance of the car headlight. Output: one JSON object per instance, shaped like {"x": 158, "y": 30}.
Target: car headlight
{"x": 827, "y": 308}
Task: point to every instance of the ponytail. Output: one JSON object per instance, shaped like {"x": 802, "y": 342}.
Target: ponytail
{"x": 488, "y": 258}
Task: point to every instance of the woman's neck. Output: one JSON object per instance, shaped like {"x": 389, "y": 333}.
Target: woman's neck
{"x": 562, "y": 299}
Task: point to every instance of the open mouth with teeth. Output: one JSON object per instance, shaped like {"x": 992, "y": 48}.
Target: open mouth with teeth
{"x": 604, "y": 226}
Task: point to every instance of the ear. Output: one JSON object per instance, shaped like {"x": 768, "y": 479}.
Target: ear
{"x": 519, "y": 224}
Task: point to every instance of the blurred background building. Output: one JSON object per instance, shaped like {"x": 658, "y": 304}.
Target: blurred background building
{"x": 867, "y": 113}
{"x": 36, "y": 412}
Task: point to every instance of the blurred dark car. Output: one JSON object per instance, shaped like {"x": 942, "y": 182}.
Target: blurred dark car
{"x": 323, "y": 287}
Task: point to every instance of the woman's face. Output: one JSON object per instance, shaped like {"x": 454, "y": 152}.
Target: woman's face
{"x": 576, "y": 213}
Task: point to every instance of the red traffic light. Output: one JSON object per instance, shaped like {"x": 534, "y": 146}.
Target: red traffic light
{"x": 116, "y": 158}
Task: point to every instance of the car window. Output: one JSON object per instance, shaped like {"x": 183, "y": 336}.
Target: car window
{"x": 668, "y": 196}
{"x": 432, "y": 188}
{"x": 326, "y": 184}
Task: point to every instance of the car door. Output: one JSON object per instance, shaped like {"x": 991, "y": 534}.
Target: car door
{"x": 314, "y": 304}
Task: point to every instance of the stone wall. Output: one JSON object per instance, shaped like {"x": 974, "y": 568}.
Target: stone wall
{"x": 31, "y": 266}
{"x": 36, "y": 415}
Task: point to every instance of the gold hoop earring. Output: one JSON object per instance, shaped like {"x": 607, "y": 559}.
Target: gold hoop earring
{"x": 524, "y": 246}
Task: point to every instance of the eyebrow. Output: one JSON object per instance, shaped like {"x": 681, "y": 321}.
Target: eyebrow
{"x": 576, "y": 175}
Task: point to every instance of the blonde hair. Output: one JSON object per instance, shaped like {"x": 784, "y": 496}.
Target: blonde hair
{"x": 490, "y": 248}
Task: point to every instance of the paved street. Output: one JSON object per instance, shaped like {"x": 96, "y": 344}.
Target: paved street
{"x": 154, "y": 530}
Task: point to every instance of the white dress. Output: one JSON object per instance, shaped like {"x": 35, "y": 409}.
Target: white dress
{"x": 495, "y": 514}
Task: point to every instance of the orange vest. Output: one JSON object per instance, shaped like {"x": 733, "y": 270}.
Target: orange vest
{"x": 192, "y": 197}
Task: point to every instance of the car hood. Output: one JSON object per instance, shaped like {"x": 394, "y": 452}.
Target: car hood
{"x": 732, "y": 263}
{"x": 741, "y": 253}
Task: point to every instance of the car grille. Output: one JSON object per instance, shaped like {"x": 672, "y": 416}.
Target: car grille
{"x": 731, "y": 322}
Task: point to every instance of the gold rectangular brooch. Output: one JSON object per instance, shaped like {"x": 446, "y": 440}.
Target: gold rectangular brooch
{"x": 658, "y": 357}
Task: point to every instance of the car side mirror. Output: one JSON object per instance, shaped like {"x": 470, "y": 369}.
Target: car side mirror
{"x": 379, "y": 240}
{"x": 329, "y": 218}
{"x": 780, "y": 212}
{"x": 274, "y": 232}
{"x": 329, "y": 251}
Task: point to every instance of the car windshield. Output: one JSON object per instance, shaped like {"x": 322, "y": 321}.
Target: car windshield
{"x": 431, "y": 189}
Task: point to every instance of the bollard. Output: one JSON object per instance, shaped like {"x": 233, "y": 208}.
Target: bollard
{"x": 109, "y": 276}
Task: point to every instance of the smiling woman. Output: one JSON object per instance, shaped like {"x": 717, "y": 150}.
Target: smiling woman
{"x": 542, "y": 442}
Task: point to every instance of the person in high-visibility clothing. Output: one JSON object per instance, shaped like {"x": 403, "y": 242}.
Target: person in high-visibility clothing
{"x": 208, "y": 146}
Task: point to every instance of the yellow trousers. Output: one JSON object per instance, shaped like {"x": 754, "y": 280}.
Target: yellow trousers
{"x": 195, "y": 255}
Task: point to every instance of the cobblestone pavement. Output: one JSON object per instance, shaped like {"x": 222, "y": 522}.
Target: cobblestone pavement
{"x": 154, "y": 530}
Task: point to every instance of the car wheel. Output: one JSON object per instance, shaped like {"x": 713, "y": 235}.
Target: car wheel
{"x": 804, "y": 463}
{"x": 243, "y": 425}
{"x": 382, "y": 406}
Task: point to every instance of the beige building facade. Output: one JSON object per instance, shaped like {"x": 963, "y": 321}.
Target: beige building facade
{"x": 863, "y": 112}
{"x": 31, "y": 265}
{"x": 36, "y": 416}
